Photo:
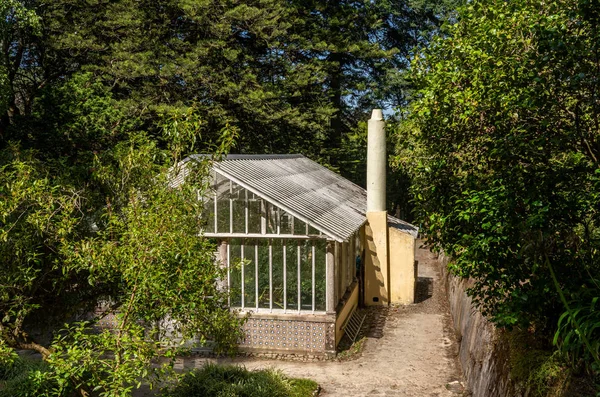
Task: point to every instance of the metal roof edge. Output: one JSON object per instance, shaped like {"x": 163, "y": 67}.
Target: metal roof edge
{"x": 262, "y": 156}
{"x": 402, "y": 226}
{"x": 246, "y": 156}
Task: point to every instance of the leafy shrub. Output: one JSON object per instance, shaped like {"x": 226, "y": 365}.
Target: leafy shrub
{"x": 19, "y": 378}
{"x": 534, "y": 365}
{"x": 234, "y": 381}
{"x": 578, "y": 334}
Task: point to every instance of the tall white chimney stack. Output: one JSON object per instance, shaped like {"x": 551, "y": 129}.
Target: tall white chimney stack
{"x": 376, "y": 163}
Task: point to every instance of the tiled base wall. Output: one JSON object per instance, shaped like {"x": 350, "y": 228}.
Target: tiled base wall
{"x": 270, "y": 334}
{"x": 292, "y": 336}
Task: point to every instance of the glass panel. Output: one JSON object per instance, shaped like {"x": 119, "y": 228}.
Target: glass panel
{"x": 285, "y": 222}
{"x": 312, "y": 230}
{"x": 235, "y": 272}
{"x": 306, "y": 274}
{"x": 247, "y": 260}
{"x": 253, "y": 213}
{"x": 277, "y": 273}
{"x": 222, "y": 190}
{"x": 299, "y": 227}
{"x": 320, "y": 274}
{"x": 249, "y": 275}
{"x": 209, "y": 213}
{"x": 239, "y": 221}
{"x": 263, "y": 274}
{"x": 292, "y": 274}
{"x": 271, "y": 213}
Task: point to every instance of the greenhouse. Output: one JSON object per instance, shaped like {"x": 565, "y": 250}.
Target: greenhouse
{"x": 304, "y": 247}
{"x": 279, "y": 250}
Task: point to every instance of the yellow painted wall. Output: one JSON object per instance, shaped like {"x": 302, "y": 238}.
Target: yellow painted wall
{"x": 402, "y": 269}
{"x": 376, "y": 259}
{"x": 351, "y": 303}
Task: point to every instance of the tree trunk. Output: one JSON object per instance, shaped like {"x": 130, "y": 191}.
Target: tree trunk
{"x": 35, "y": 347}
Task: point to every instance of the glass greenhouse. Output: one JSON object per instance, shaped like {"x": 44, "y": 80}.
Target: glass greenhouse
{"x": 276, "y": 261}
{"x": 292, "y": 235}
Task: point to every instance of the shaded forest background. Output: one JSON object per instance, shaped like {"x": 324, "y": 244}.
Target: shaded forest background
{"x": 288, "y": 76}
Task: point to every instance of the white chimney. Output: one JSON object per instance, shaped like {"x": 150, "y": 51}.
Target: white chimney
{"x": 376, "y": 163}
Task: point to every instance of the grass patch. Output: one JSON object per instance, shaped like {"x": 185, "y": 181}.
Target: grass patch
{"x": 16, "y": 380}
{"x": 234, "y": 381}
{"x": 348, "y": 350}
{"x": 542, "y": 370}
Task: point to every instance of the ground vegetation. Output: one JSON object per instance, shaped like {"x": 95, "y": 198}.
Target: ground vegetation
{"x": 502, "y": 146}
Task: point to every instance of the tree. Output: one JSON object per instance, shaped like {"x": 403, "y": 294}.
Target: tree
{"x": 291, "y": 76}
{"x": 230, "y": 61}
{"x": 19, "y": 24}
{"x": 122, "y": 241}
{"x": 88, "y": 221}
{"x": 363, "y": 48}
{"x": 502, "y": 145}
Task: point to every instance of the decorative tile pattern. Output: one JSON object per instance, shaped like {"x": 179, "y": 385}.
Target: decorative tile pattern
{"x": 276, "y": 334}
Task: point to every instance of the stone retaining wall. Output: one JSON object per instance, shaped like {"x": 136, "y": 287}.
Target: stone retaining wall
{"x": 483, "y": 354}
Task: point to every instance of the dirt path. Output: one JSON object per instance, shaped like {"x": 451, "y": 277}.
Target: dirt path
{"x": 410, "y": 352}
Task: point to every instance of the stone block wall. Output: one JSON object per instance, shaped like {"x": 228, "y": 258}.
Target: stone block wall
{"x": 483, "y": 354}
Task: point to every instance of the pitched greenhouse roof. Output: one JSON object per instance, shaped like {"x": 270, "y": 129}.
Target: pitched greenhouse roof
{"x": 300, "y": 186}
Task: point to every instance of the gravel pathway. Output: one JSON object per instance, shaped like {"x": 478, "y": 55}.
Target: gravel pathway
{"x": 409, "y": 351}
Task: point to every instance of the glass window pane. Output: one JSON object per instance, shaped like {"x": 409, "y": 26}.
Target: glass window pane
{"x": 320, "y": 274}
{"x": 312, "y": 231}
{"x": 306, "y": 274}
{"x": 239, "y": 212}
{"x": 299, "y": 227}
{"x": 222, "y": 190}
{"x": 223, "y": 215}
{"x": 249, "y": 275}
{"x": 292, "y": 274}
{"x": 271, "y": 214}
{"x": 277, "y": 273}
{"x": 209, "y": 213}
{"x": 235, "y": 275}
{"x": 263, "y": 273}
{"x": 285, "y": 222}
{"x": 254, "y": 213}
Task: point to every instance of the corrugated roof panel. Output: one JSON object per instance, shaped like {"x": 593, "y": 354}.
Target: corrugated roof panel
{"x": 329, "y": 202}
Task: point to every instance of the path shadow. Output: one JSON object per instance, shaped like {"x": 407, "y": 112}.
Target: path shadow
{"x": 376, "y": 319}
{"x": 423, "y": 289}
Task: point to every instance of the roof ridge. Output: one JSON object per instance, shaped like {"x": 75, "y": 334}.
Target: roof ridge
{"x": 261, "y": 156}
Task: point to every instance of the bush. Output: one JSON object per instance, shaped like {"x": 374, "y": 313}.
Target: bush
{"x": 233, "y": 381}
{"x": 578, "y": 333}
{"x": 17, "y": 378}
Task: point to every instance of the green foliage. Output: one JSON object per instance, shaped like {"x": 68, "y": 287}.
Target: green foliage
{"x": 581, "y": 322}
{"x": 7, "y": 355}
{"x": 541, "y": 372}
{"x": 18, "y": 23}
{"x": 293, "y": 76}
{"x": 233, "y": 381}
{"x": 109, "y": 234}
{"x": 18, "y": 379}
{"x": 502, "y": 146}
